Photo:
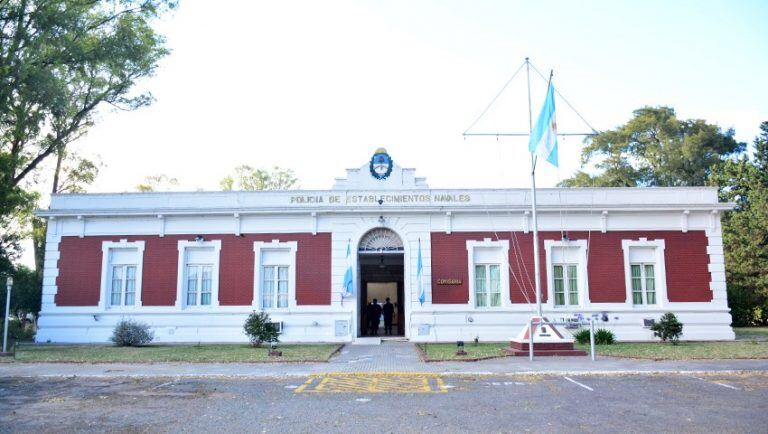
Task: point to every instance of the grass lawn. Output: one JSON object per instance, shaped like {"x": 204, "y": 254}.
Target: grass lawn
{"x": 684, "y": 350}
{"x": 751, "y": 333}
{"x": 224, "y": 353}
{"x": 444, "y": 352}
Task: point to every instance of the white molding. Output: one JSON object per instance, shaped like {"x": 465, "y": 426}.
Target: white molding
{"x": 581, "y": 266}
{"x": 684, "y": 220}
{"x": 604, "y": 221}
{"x": 105, "y": 290}
{"x": 661, "y": 271}
{"x": 503, "y": 247}
{"x": 181, "y": 274}
{"x": 258, "y": 248}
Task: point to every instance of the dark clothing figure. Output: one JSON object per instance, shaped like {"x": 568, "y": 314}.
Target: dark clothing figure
{"x": 389, "y": 311}
{"x": 373, "y": 311}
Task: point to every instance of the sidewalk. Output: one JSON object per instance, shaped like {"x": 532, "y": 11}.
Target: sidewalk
{"x": 388, "y": 357}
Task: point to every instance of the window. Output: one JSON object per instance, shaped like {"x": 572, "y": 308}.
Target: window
{"x": 644, "y": 272}
{"x": 488, "y": 273}
{"x": 198, "y": 284}
{"x": 275, "y": 286}
{"x": 487, "y": 285}
{"x": 121, "y": 274}
{"x": 275, "y": 274}
{"x": 643, "y": 284}
{"x": 566, "y": 273}
{"x": 123, "y": 285}
{"x": 566, "y": 284}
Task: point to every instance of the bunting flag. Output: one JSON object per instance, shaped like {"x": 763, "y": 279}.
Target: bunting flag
{"x": 420, "y": 276}
{"x": 349, "y": 288}
{"x": 543, "y": 140}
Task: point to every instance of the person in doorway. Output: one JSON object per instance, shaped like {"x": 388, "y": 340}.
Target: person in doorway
{"x": 374, "y": 317}
{"x": 389, "y": 311}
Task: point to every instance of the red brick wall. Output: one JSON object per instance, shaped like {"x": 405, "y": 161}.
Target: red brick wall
{"x": 686, "y": 262}
{"x": 313, "y": 267}
{"x": 79, "y": 279}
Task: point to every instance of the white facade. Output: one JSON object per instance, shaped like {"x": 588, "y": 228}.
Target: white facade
{"x": 403, "y": 203}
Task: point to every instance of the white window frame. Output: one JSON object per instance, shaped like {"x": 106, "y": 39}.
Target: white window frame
{"x": 660, "y": 271}
{"x": 582, "y": 280}
{"x": 503, "y": 262}
{"x": 181, "y": 275}
{"x": 106, "y": 273}
{"x": 644, "y": 284}
{"x": 258, "y": 248}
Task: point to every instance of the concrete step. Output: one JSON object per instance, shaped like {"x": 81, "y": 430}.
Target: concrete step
{"x": 367, "y": 341}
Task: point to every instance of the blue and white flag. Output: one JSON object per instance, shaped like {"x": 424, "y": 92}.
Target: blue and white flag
{"x": 543, "y": 140}
{"x": 420, "y": 276}
{"x": 349, "y": 288}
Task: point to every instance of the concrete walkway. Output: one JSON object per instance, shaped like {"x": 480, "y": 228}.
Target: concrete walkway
{"x": 387, "y": 357}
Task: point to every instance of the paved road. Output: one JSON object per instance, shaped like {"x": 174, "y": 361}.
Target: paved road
{"x": 655, "y": 403}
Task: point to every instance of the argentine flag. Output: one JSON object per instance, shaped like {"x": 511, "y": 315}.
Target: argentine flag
{"x": 420, "y": 276}
{"x": 543, "y": 141}
{"x": 349, "y": 289}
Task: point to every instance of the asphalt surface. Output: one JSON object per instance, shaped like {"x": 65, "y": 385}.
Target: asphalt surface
{"x": 718, "y": 402}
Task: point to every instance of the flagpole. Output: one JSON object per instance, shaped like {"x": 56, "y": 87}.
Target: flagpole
{"x": 536, "y": 264}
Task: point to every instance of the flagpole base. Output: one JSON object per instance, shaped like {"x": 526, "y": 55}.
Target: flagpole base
{"x": 547, "y": 340}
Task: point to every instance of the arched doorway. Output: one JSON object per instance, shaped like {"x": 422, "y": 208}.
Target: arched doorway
{"x": 381, "y": 257}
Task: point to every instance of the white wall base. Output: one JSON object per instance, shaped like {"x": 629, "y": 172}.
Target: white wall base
{"x": 445, "y": 326}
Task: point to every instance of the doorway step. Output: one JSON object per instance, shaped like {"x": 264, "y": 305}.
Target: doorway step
{"x": 367, "y": 341}
{"x": 394, "y": 338}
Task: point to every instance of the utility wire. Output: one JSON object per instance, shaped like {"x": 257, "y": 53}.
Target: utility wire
{"x": 565, "y": 100}
{"x": 496, "y": 97}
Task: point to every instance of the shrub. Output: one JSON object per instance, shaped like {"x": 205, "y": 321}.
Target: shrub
{"x": 602, "y": 337}
{"x": 260, "y": 329}
{"x": 130, "y": 333}
{"x": 668, "y": 328}
{"x": 18, "y": 330}
{"x": 582, "y": 336}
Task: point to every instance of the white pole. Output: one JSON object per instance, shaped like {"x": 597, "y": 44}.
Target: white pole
{"x": 536, "y": 265}
{"x": 530, "y": 339}
{"x": 9, "y": 285}
{"x": 592, "y": 338}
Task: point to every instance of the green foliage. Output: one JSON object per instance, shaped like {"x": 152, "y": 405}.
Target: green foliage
{"x": 259, "y": 328}
{"x": 655, "y": 149}
{"x": 602, "y": 336}
{"x": 582, "y": 336}
{"x": 60, "y": 62}
{"x": 18, "y": 330}
{"x": 130, "y": 333}
{"x": 156, "y": 182}
{"x": 668, "y": 328}
{"x": 744, "y": 181}
{"x": 250, "y": 179}
{"x": 25, "y": 295}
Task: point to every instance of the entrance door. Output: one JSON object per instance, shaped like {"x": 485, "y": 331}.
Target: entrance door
{"x": 381, "y": 277}
{"x": 381, "y": 259}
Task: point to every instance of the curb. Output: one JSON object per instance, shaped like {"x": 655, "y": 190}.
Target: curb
{"x": 550, "y": 373}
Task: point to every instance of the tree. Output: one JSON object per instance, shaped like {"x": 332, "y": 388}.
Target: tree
{"x": 156, "y": 182}
{"x": 655, "y": 148}
{"x": 250, "y": 179}
{"x": 61, "y": 61}
{"x": 744, "y": 181}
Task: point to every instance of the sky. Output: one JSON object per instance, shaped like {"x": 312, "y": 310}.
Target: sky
{"x": 318, "y": 86}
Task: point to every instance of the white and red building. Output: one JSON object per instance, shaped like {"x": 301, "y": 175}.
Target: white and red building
{"x": 194, "y": 265}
